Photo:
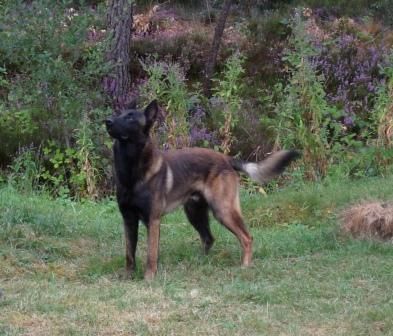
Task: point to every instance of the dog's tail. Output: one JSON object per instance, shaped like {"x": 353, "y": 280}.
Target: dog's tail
{"x": 267, "y": 169}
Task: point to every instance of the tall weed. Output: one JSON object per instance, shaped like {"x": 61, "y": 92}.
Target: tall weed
{"x": 382, "y": 116}
{"x": 167, "y": 83}
{"x": 228, "y": 92}
{"x": 303, "y": 119}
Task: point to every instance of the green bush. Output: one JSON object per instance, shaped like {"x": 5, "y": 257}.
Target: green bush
{"x": 68, "y": 172}
{"x": 52, "y": 64}
{"x": 52, "y": 70}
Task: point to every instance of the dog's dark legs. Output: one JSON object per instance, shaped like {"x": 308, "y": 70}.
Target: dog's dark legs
{"x": 197, "y": 212}
{"x": 131, "y": 238}
{"x": 153, "y": 233}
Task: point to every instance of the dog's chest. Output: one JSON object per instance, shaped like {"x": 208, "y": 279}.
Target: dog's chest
{"x": 138, "y": 200}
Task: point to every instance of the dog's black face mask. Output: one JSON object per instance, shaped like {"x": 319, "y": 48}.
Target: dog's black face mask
{"x": 132, "y": 125}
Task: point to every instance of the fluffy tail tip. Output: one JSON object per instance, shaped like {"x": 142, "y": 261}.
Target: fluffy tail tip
{"x": 271, "y": 167}
{"x": 285, "y": 157}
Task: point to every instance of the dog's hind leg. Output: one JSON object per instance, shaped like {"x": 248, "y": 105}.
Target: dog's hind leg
{"x": 197, "y": 211}
{"x": 225, "y": 204}
{"x": 233, "y": 221}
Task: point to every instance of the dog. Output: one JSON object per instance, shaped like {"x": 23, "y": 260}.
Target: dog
{"x": 151, "y": 183}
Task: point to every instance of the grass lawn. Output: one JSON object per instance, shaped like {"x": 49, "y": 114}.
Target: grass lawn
{"x": 61, "y": 270}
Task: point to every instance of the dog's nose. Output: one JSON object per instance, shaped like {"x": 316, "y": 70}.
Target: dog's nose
{"x": 108, "y": 122}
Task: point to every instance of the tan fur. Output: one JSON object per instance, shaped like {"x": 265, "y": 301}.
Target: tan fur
{"x": 169, "y": 180}
{"x": 198, "y": 171}
{"x": 155, "y": 167}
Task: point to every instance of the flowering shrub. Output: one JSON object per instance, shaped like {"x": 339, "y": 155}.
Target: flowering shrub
{"x": 350, "y": 67}
{"x": 200, "y": 135}
{"x": 336, "y": 100}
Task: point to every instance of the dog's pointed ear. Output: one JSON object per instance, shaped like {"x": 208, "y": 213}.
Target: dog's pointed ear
{"x": 131, "y": 105}
{"x": 151, "y": 112}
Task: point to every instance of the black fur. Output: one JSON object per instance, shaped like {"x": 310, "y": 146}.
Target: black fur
{"x": 131, "y": 153}
{"x": 197, "y": 211}
{"x": 285, "y": 161}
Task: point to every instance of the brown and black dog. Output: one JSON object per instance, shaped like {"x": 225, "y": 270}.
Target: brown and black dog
{"x": 150, "y": 183}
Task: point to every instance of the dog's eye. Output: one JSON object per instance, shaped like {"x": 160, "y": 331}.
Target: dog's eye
{"x": 130, "y": 116}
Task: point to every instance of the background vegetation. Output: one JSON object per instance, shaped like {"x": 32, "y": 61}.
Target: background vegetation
{"x": 313, "y": 75}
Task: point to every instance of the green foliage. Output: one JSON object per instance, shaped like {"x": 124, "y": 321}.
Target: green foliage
{"x": 68, "y": 172}
{"x": 65, "y": 172}
{"x": 382, "y": 116}
{"x": 18, "y": 127}
{"x": 371, "y": 153}
{"x": 50, "y": 84}
{"x": 383, "y": 10}
{"x": 25, "y": 171}
{"x": 3, "y": 78}
{"x": 167, "y": 83}
{"x": 228, "y": 90}
{"x": 229, "y": 86}
{"x": 303, "y": 119}
{"x": 88, "y": 174}
{"x": 52, "y": 63}
{"x": 59, "y": 162}
{"x": 53, "y": 67}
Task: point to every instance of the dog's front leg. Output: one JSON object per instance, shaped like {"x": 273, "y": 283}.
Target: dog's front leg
{"x": 152, "y": 248}
{"x": 131, "y": 239}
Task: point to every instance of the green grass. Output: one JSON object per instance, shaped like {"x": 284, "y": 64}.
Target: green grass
{"x": 61, "y": 270}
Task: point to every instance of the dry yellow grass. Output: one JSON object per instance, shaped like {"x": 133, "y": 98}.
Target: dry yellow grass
{"x": 369, "y": 219}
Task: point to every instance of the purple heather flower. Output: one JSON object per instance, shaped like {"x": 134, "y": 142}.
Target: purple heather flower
{"x": 348, "y": 121}
{"x": 351, "y": 70}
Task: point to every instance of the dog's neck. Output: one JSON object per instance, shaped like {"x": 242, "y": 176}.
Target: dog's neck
{"x": 132, "y": 161}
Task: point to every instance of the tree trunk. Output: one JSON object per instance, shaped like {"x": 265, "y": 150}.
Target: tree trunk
{"x": 119, "y": 25}
{"x": 211, "y": 61}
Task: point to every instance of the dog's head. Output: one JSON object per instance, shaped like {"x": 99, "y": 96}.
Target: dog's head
{"x": 132, "y": 125}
